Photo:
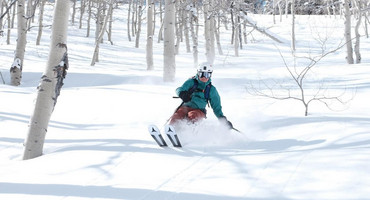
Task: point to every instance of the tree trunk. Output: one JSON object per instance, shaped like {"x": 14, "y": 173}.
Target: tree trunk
{"x": 347, "y": 32}
{"x": 139, "y": 19}
{"x": 293, "y": 25}
{"x": 128, "y": 21}
{"x": 29, "y": 14}
{"x": 185, "y": 20}
{"x": 177, "y": 27}
{"x": 169, "y": 61}
{"x": 217, "y": 35}
{"x": 194, "y": 36}
{"x": 88, "y": 19}
{"x": 357, "y": 34}
{"x": 9, "y": 28}
{"x": 73, "y": 11}
{"x": 16, "y": 69}
{"x": 41, "y": 17}
{"x": 209, "y": 32}
{"x": 149, "y": 36}
{"x": 101, "y": 34}
{"x": 1, "y": 19}
{"x": 50, "y": 84}
{"x": 82, "y": 11}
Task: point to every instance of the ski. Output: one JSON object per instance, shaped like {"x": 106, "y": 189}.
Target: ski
{"x": 171, "y": 134}
{"x": 157, "y": 136}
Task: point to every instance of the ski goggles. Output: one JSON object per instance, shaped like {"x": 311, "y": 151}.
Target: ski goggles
{"x": 204, "y": 74}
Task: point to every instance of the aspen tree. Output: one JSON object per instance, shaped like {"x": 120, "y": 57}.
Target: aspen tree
{"x": 293, "y": 25}
{"x": 139, "y": 20}
{"x": 128, "y": 21}
{"x": 169, "y": 63}
{"x": 357, "y": 34}
{"x": 41, "y": 17}
{"x": 1, "y": 19}
{"x": 347, "y": 31}
{"x": 149, "y": 35}
{"x": 88, "y": 18}
{"x": 82, "y": 11}
{"x": 209, "y": 31}
{"x": 17, "y": 66}
{"x": 101, "y": 34}
{"x": 194, "y": 19}
{"x": 50, "y": 84}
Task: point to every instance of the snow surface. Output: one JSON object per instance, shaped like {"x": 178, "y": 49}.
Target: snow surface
{"x": 98, "y": 147}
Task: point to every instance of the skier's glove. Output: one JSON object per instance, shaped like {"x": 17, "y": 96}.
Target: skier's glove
{"x": 185, "y": 96}
{"x": 227, "y": 123}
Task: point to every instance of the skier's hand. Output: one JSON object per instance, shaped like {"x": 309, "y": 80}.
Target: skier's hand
{"x": 226, "y": 122}
{"x": 185, "y": 96}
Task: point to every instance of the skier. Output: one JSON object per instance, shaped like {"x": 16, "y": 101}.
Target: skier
{"x": 196, "y": 93}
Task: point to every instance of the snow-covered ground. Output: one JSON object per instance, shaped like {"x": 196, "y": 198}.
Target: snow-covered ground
{"x": 98, "y": 147}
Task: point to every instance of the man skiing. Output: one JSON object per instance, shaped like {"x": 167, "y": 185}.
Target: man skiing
{"x": 196, "y": 93}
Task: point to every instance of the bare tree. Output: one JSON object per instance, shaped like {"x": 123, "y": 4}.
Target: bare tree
{"x": 50, "y": 84}
{"x": 299, "y": 76}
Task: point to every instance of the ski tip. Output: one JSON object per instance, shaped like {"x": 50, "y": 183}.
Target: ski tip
{"x": 153, "y": 129}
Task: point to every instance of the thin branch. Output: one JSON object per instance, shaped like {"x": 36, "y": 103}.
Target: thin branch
{"x": 8, "y": 8}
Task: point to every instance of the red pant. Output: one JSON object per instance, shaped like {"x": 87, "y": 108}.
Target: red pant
{"x": 185, "y": 112}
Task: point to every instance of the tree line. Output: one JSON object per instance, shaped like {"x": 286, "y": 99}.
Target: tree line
{"x": 179, "y": 22}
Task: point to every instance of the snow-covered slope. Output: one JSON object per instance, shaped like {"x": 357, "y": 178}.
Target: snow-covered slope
{"x": 98, "y": 147}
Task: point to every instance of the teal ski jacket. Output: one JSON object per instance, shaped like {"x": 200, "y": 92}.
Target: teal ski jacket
{"x": 198, "y": 100}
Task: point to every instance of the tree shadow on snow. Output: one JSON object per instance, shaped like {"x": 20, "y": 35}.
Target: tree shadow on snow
{"x": 109, "y": 192}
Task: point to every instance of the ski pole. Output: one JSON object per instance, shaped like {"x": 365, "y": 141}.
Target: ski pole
{"x": 236, "y": 130}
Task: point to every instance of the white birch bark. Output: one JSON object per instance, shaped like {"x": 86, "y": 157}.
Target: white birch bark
{"x": 88, "y": 19}
{"x": 13, "y": 15}
{"x": 50, "y": 84}
{"x": 29, "y": 13}
{"x": 149, "y": 35}
{"x": 41, "y": 17}
{"x": 128, "y": 21}
{"x": 9, "y": 28}
{"x": 16, "y": 69}
{"x": 177, "y": 27}
{"x": 293, "y": 25}
{"x": 1, "y": 19}
{"x": 169, "y": 61}
{"x": 139, "y": 20}
{"x": 357, "y": 33}
{"x": 347, "y": 31}
{"x": 236, "y": 34}
{"x": 82, "y": 11}
{"x": 110, "y": 24}
{"x": 217, "y": 35}
{"x": 185, "y": 20}
{"x": 209, "y": 32}
{"x": 73, "y": 11}
{"x": 194, "y": 35}
{"x": 101, "y": 34}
